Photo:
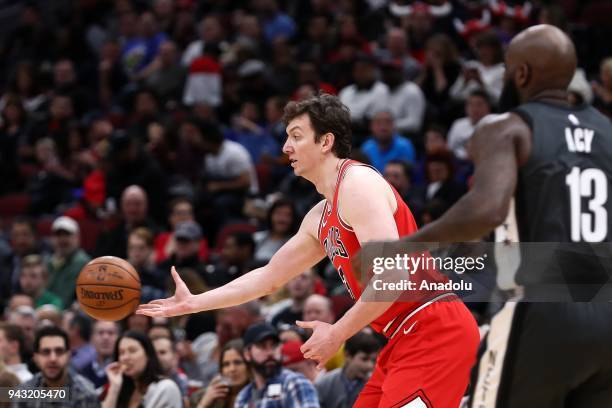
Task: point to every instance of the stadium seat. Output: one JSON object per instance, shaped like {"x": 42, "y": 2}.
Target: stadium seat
{"x": 12, "y": 205}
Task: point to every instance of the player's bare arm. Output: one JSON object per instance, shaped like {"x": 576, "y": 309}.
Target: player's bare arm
{"x": 500, "y": 144}
{"x": 370, "y": 213}
{"x": 301, "y": 252}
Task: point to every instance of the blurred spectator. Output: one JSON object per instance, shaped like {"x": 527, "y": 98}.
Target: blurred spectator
{"x": 168, "y": 359}
{"x": 204, "y": 80}
{"x": 103, "y": 338}
{"x": 140, "y": 256}
{"x": 82, "y": 352}
{"x": 12, "y": 351}
{"x": 397, "y": 50}
{"x": 406, "y": 100}
{"x": 67, "y": 259}
{"x": 136, "y": 376}
{"x": 111, "y": 76}
{"x": 30, "y": 39}
{"x": 252, "y": 136}
{"x": 316, "y": 45}
{"x": 65, "y": 81}
{"x": 188, "y": 236}
{"x": 24, "y": 317}
{"x": 386, "y": 144}
{"x": 441, "y": 185}
{"x": 398, "y": 174}
{"x": 294, "y": 360}
{"x": 138, "y": 322}
{"x": 299, "y": 289}
{"x": 33, "y": 280}
{"x": 274, "y": 115}
{"x": 282, "y": 222}
{"x": 318, "y": 307}
{"x": 17, "y": 300}
{"x": 181, "y": 210}
{"x": 270, "y": 381}
{"x": 51, "y": 355}
{"x": 134, "y": 208}
{"x": 48, "y": 315}
{"x": 487, "y": 72}
{"x": 233, "y": 376}
{"x": 210, "y": 33}
{"x": 442, "y": 68}
{"x": 233, "y": 261}
{"x": 165, "y": 76}
{"x": 477, "y": 106}
{"x": 25, "y": 84}
{"x": 275, "y": 23}
{"x": 231, "y": 324}
{"x": 366, "y": 95}
{"x": 13, "y": 143}
{"x": 340, "y": 387}
{"x": 603, "y": 90}
{"x": 141, "y": 49}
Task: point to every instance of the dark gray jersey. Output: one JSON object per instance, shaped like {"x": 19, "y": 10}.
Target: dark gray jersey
{"x": 563, "y": 189}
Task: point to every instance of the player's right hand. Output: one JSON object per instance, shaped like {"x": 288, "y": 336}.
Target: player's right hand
{"x": 176, "y": 305}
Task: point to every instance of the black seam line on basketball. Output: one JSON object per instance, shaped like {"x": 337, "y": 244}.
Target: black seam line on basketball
{"x": 137, "y": 278}
{"x": 110, "y": 308}
{"x": 105, "y": 284}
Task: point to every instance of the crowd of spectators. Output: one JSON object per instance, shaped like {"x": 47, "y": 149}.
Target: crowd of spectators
{"x": 152, "y": 130}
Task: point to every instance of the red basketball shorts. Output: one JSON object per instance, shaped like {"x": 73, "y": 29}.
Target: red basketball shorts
{"x": 427, "y": 363}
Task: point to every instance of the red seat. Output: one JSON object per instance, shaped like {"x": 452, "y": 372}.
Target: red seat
{"x": 90, "y": 230}
{"x": 12, "y": 205}
{"x": 340, "y": 304}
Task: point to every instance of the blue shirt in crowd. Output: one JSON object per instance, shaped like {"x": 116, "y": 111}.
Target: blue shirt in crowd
{"x": 400, "y": 149}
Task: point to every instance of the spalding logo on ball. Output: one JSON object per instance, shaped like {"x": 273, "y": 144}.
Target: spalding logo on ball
{"x": 108, "y": 288}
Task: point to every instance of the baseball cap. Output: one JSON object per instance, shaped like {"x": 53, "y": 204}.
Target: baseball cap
{"x": 64, "y": 223}
{"x": 291, "y": 352}
{"x": 258, "y": 332}
{"x": 189, "y": 230}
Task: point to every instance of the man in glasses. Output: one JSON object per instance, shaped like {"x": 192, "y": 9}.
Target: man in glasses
{"x": 52, "y": 355}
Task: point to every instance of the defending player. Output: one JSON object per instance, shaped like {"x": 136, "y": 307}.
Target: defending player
{"x": 432, "y": 343}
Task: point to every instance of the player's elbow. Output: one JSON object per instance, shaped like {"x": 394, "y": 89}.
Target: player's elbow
{"x": 494, "y": 215}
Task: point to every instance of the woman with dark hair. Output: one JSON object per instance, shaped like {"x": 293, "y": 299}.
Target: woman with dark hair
{"x": 234, "y": 375}
{"x": 135, "y": 378}
{"x": 282, "y": 224}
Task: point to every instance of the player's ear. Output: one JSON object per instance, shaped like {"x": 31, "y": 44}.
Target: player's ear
{"x": 327, "y": 141}
{"x": 522, "y": 75}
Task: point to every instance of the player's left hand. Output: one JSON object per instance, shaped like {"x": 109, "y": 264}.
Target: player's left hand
{"x": 322, "y": 345}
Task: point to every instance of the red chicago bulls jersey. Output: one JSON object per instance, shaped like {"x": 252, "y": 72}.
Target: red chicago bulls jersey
{"x": 340, "y": 244}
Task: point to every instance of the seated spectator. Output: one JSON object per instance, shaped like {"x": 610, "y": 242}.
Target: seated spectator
{"x": 486, "y": 73}
{"x": 294, "y": 360}
{"x": 140, "y": 256}
{"x": 320, "y": 308}
{"x": 12, "y": 351}
{"x": 477, "y": 106}
{"x": 603, "y": 90}
{"x": 67, "y": 259}
{"x": 51, "y": 355}
{"x": 399, "y": 174}
{"x": 270, "y": 381}
{"x": 188, "y": 236}
{"x": 233, "y": 261}
{"x": 233, "y": 376}
{"x": 441, "y": 184}
{"x": 18, "y": 300}
{"x": 341, "y": 387}
{"x": 134, "y": 209}
{"x": 137, "y": 322}
{"x": 385, "y": 144}
{"x": 82, "y": 352}
{"x": 282, "y": 223}
{"x": 136, "y": 376}
{"x": 299, "y": 289}
{"x": 13, "y": 138}
{"x": 48, "y": 315}
{"x": 181, "y": 210}
{"x": 165, "y": 348}
{"x": 24, "y": 317}
{"x": 366, "y": 96}
{"x": 247, "y": 131}
{"x": 210, "y": 32}
{"x": 165, "y": 75}
{"x": 396, "y": 49}
{"x": 103, "y": 338}
{"x": 406, "y": 100}
{"x": 33, "y": 280}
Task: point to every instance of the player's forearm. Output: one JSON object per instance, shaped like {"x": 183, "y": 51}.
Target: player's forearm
{"x": 357, "y": 317}
{"x": 472, "y": 217}
{"x": 249, "y": 286}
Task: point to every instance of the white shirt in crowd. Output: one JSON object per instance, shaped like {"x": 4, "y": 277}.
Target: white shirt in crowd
{"x": 231, "y": 161}
{"x": 364, "y": 103}
{"x": 492, "y": 81}
{"x": 407, "y": 103}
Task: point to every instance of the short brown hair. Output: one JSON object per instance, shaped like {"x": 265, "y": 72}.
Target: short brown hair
{"x": 145, "y": 234}
{"x": 327, "y": 115}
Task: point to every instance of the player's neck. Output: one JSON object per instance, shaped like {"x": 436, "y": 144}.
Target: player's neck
{"x": 326, "y": 176}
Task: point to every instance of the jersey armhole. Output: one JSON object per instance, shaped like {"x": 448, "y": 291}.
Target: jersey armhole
{"x": 525, "y": 116}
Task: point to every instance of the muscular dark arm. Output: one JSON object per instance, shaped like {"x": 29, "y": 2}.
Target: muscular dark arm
{"x": 498, "y": 147}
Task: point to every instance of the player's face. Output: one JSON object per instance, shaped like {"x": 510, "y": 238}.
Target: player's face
{"x": 304, "y": 154}
{"x": 52, "y": 357}
{"x": 132, "y": 355}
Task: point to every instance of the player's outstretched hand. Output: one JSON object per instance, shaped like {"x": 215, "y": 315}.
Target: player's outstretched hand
{"x": 176, "y": 305}
{"x": 322, "y": 345}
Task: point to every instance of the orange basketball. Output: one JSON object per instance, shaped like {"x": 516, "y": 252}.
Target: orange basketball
{"x": 108, "y": 288}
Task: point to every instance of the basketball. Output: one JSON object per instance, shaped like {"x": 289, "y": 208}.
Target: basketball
{"x": 108, "y": 288}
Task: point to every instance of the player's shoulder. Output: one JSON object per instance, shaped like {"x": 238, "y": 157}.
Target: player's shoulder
{"x": 496, "y": 124}
{"x": 311, "y": 220}
{"x": 364, "y": 179}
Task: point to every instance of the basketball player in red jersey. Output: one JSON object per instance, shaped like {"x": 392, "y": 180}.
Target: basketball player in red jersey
{"x": 432, "y": 343}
